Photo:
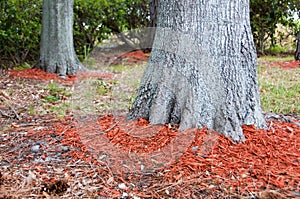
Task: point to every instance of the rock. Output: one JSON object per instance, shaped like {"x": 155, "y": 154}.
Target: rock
{"x": 122, "y": 186}
{"x": 35, "y": 148}
{"x": 64, "y": 148}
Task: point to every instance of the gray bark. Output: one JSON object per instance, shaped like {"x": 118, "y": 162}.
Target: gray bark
{"x": 297, "y": 53}
{"x": 153, "y": 22}
{"x": 57, "y": 54}
{"x": 202, "y": 70}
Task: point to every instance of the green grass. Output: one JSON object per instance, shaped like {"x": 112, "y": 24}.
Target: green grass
{"x": 279, "y": 88}
{"x": 120, "y": 68}
{"x": 60, "y": 109}
{"x": 270, "y": 58}
{"x": 55, "y": 100}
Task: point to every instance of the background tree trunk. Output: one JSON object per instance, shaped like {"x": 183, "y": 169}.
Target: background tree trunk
{"x": 57, "y": 54}
{"x": 153, "y": 22}
{"x": 202, "y": 70}
{"x": 297, "y": 53}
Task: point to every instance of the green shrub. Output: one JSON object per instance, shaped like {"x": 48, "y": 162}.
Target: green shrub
{"x": 94, "y": 21}
{"x": 277, "y": 49}
{"x": 20, "y": 27}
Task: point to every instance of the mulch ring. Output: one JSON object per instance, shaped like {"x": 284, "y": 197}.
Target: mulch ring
{"x": 286, "y": 64}
{"x": 129, "y": 58}
{"x": 68, "y": 158}
{"x": 38, "y": 74}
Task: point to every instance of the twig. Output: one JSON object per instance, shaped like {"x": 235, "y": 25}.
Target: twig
{"x": 8, "y": 116}
{"x": 289, "y": 120}
{"x": 5, "y": 98}
{"x": 277, "y": 117}
{"x": 16, "y": 114}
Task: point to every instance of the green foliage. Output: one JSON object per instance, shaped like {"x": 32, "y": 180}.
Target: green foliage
{"x": 267, "y": 14}
{"x": 94, "y": 21}
{"x": 20, "y": 26}
{"x": 277, "y": 49}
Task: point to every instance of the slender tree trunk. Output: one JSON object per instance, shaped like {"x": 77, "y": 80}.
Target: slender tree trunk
{"x": 297, "y": 53}
{"x": 202, "y": 70}
{"x": 57, "y": 54}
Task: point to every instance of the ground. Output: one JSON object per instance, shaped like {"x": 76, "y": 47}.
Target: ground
{"x": 67, "y": 138}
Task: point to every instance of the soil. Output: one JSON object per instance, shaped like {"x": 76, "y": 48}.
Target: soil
{"x": 104, "y": 156}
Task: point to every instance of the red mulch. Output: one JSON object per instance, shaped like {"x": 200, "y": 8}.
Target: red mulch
{"x": 211, "y": 163}
{"x": 41, "y": 75}
{"x": 266, "y": 159}
{"x": 133, "y": 57}
{"x": 286, "y": 64}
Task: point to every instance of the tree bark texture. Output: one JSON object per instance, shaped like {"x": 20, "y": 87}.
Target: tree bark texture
{"x": 153, "y": 22}
{"x": 202, "y": 69}
{"x": 297, "y": 53}
{"x": 57, "y": 53}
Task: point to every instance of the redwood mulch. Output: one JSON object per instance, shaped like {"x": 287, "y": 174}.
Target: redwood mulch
{"x": 130, "y": 58}
{"x": 212, "y": 166}
{"x": 287, "y": 64}
{"x": 41, "y": 75}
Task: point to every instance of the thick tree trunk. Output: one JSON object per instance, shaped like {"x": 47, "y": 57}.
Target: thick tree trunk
{"x": 57, "y": 54}
{"x": 297, "y": 53}
{"x": 202, "y": 70}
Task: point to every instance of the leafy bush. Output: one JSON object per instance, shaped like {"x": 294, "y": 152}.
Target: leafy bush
{"x": 277, "y": 49}
{"x": 267, "y": 14}
{"x": 94, "y": 20}
{"x": 20, "y": 27}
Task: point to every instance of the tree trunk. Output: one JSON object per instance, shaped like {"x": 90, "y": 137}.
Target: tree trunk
{"x": 57, "y": 54}
{"x": 153, "y": 22}
{"x": 297, "y": 53}
{"x": 202, "y": 70}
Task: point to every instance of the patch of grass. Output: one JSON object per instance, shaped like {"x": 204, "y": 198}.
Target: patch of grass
{"x": 90, "y": 63}
{"x": 280, "y": 89}
{"x": 23, "y": 66}
{"x": 125, "y": 92}
{"x": 51, "y": 98}
{"x": 31, "y": 109}
{"x": 55, "y": 93}
{"x": 118, "y": 68}
{"x": 60, "y": 109}
{"x": 104, "y": 87}
{"x": 56, "y": 88}
{"x": 270, "y": 58}
{"x": 123, "y": 68}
